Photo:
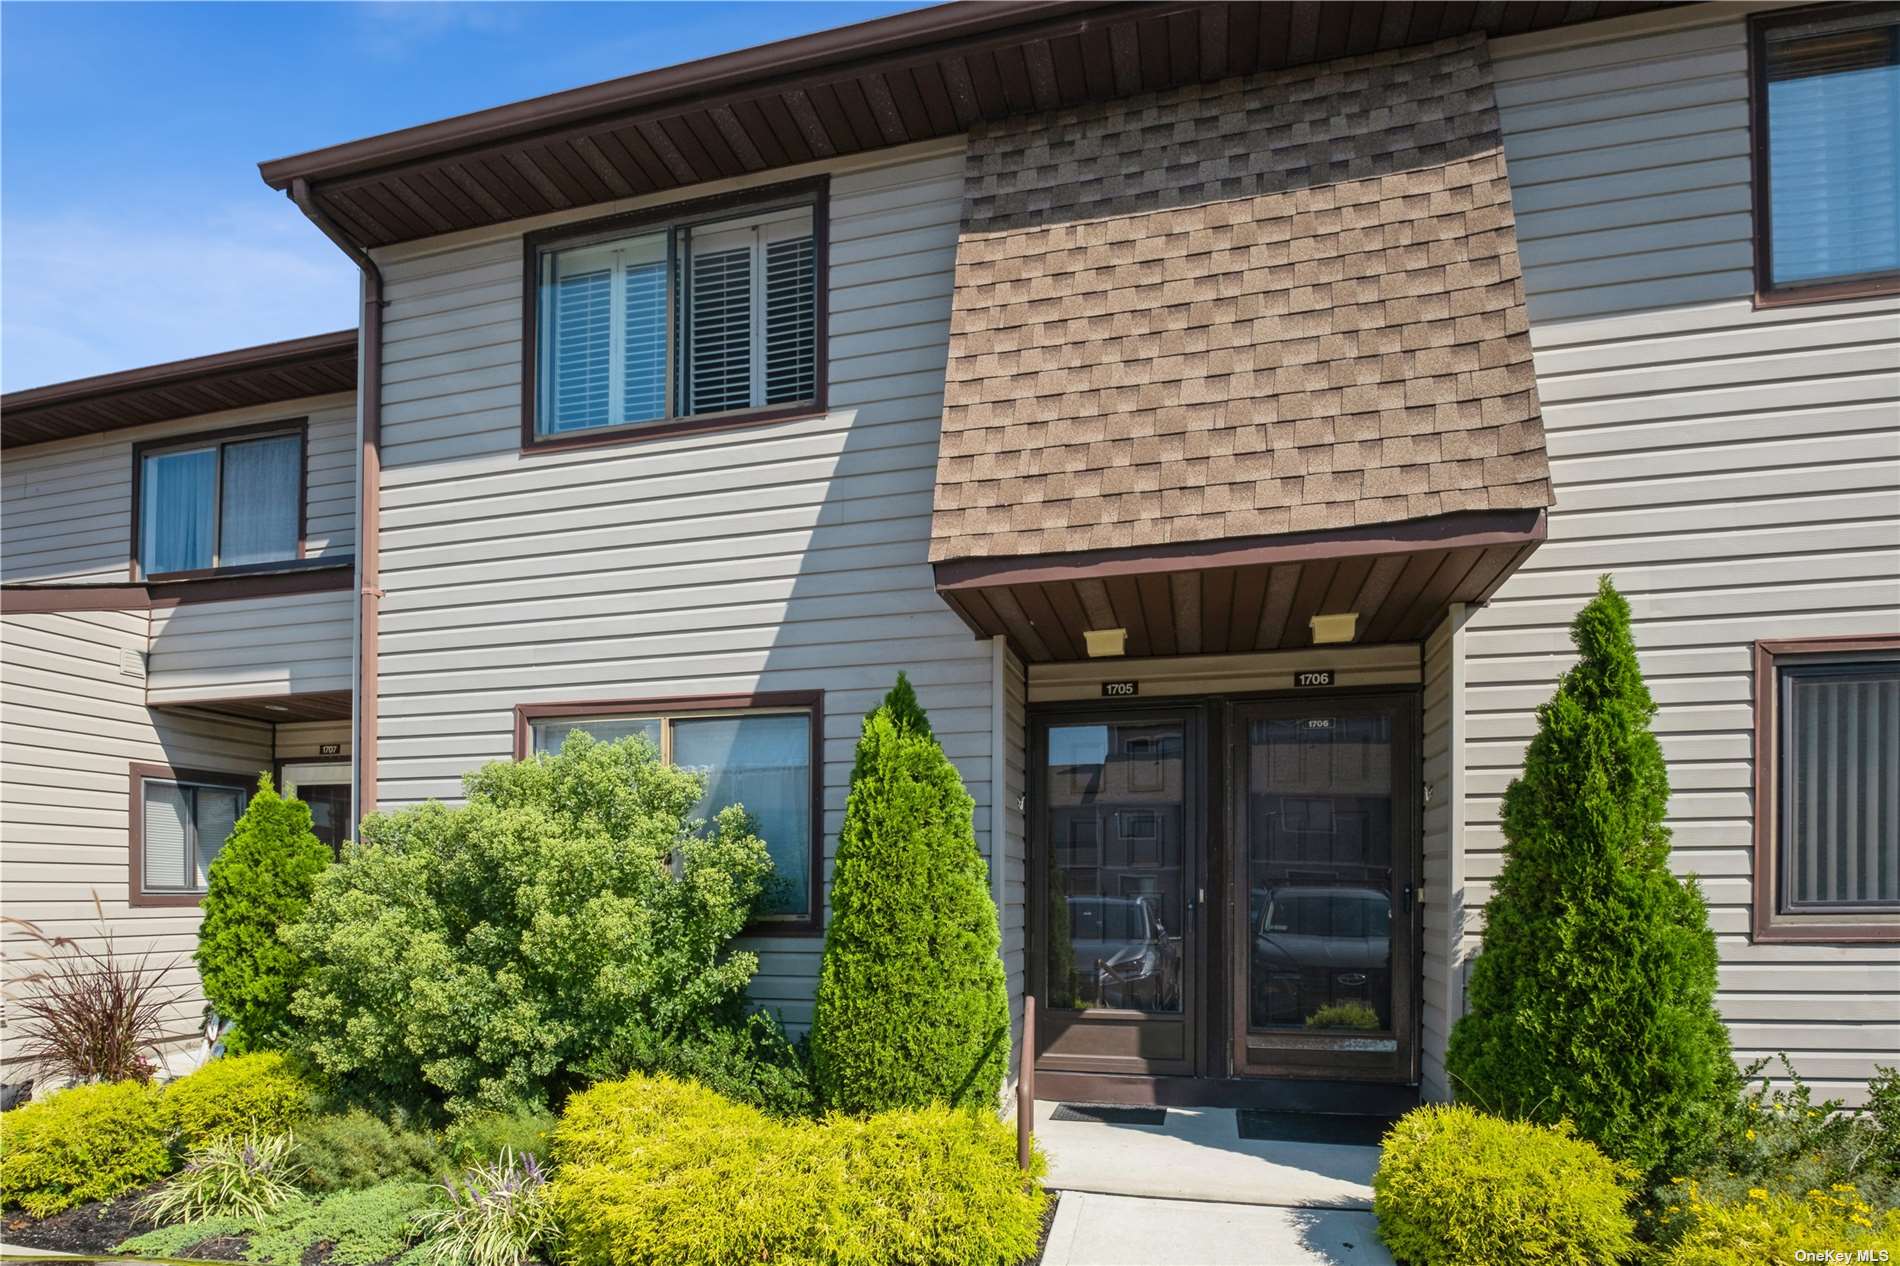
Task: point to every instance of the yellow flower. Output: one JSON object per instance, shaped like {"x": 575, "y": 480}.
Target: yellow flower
{"x": 1757, "y": 1193}
{"x": 1751, "y": 1136}
{"x": 1843, "y": 1186}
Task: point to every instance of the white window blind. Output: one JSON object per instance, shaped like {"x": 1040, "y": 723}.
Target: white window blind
{"x": 166, "y": 836}
{"x": 691, "y": 320}
{"x": 1833, "y": 88}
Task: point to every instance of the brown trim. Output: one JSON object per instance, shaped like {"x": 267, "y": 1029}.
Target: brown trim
{"x": 369, "y": 473}
{"x": 323, "y": 574}
{"x": 816, "y": 189}
{"x": 1465, "y": 530}
{"x": 1770, "y": 923}
{"x": 811, "y": 701}
{"x": 322, "y": 364}
{"x": 136, "y": 774}
{"x": 300, "y": 427}
{"x": 1767, "y": 294}
{"x": 1284, "y": 1094}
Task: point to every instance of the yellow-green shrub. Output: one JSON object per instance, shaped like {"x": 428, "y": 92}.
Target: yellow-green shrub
{"x": 1457, "y": 1186}
{"x": 1768, "y": 1228}
{"x": 86, "y": 1143}
{"x": 655, "y": 1170}
{"x": 238, "y": 1094}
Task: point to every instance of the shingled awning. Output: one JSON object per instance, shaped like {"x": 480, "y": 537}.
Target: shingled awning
{"x": 1225, "y": 357}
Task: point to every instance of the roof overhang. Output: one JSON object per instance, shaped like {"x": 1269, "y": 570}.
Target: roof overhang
{"x": 915, "y": 76}
{"x": 1254, "y": 594}
{"x": 320, "y": 365}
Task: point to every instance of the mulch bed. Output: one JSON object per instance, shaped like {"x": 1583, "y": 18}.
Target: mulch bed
{"x": 90, "y": 1228}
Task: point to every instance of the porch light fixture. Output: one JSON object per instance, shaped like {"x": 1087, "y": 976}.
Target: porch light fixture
{"x": 1105, "y": 643}
{"x": 1338, "y": 627}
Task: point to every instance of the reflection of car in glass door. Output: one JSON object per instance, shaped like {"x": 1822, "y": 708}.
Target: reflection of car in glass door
{"x": 1124, "y": 956}
{"x": 1322, "y": 956}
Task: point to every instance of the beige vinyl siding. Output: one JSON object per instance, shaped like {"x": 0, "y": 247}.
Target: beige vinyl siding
{"x": 304, "y": 740}
{"x": 1737, "y": 470}
{"x": 788, "y": 556}
{"x": 248, "y": 648}
{"x": 68, "y": 504}
{"x": 1441, "y": 879}
{"x": 71, "y": 724}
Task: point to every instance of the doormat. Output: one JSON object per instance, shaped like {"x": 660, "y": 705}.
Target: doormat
{"x": 1109, "y": 1114}
{"x": 1312, "y": 1127}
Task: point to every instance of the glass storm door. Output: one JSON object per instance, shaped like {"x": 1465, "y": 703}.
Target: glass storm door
{"x": 1118, "y": 889}
{"x": 1324, "y": 834}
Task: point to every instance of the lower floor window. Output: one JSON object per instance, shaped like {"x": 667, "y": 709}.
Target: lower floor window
{"x": 759, "y": 757}
{"x": 1827, "y": 788}
{"x": 184, "y": 825}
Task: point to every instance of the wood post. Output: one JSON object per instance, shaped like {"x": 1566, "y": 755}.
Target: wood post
{"x": 1026, "y": 1083}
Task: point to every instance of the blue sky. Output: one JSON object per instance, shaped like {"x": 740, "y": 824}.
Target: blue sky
{"x": 133, "y": 225}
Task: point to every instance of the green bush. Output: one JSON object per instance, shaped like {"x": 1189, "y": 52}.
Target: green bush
{"x": 912, "y": 1004}
{"x": 1344, "y": 1015}
{"x": 350, "y": 1150}
{"x": 236, "y": 1095}
{"x": 81, "y": 1144}
{"x": 1593, "y": 1000}
{"x": 1455, "y": 1186}
{"x": 478, "y": 1139}
{"x": 654, "y": 1170}
{"x": 356, "y": 1228}
{"x": 1883, "y": 1116}
{"x": 260, "y": 883}
{"x": 1765, "y": 1228}
{"x": 476, "y": 957}
{"x": 752, "y": 1062}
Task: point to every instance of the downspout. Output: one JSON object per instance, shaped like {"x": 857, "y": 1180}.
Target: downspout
{"x": 369, "y": 430}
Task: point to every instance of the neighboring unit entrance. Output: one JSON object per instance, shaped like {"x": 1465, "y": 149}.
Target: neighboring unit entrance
{"x": 1225, "y": 888}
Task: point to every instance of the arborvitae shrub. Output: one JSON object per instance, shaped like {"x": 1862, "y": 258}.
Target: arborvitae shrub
{"x": 1593, "y": 1000}
{"x": 912, "y": 1003}
{"x": 259, "y": 884}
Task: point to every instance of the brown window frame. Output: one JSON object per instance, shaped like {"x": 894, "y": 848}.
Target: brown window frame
{"x": 1767, "y": 293}
{"x": 1771, "y": 923}
{"x": 816, "y": 190}
{"x": 299, "y": 427}
{"x": 811, "y": 702}
{"x": 138, "y": 772}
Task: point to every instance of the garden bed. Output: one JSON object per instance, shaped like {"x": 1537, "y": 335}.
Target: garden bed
{"x": 99, "y": 1227}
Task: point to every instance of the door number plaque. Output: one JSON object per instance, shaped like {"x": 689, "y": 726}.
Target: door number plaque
{"x": 1314, "y": 677}
{"x": 1120, "y": 689}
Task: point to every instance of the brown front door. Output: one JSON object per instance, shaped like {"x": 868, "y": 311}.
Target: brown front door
{"x": 1119, "y": 885}
{"x": 1324, "y": 827}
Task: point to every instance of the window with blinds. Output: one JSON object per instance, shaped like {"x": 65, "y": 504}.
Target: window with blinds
{"x": 690, "y": 320}
{"x": 1839, "y": 785}
{"x": 1830, "y": 85}
{"x": 184, "y": 826}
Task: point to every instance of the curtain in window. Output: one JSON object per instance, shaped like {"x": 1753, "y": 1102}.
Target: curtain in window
{"x": 763, "y": 763}
{"x": 1834, "y": 148}
{"x": 258, "y": 510}
{"x": 1841, "y": 786}
{"x": 166, "y": 837}
{"x": 177, "y": 505}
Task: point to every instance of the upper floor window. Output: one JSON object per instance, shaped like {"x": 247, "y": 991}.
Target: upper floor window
{"x": 209, "y": 502}
{"x": 698, "y": 318}
{"x": 1827, "y": 138}
{"x": 763, "y": 756}
{"x": 1828, "y": 747}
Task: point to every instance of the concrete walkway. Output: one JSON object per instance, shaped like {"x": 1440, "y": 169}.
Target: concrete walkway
{"x": 1097, "y": 1230}
{"x": 1199, "y": 1155}
{"x": 1192, "y": 1192}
